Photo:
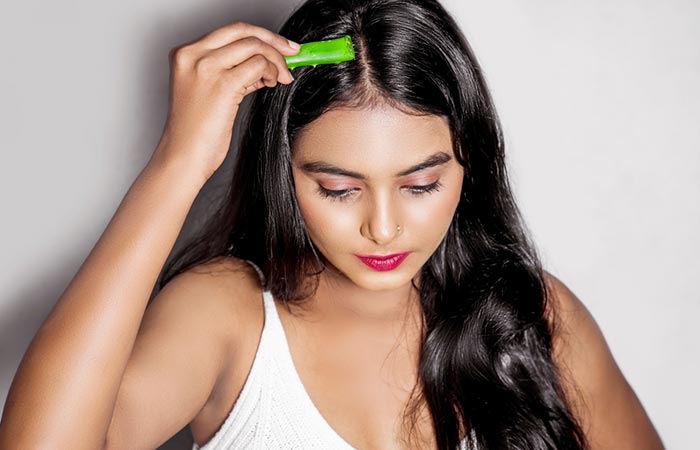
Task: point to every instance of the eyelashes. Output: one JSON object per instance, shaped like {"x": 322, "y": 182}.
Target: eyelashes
{"x": 345, "y": 194}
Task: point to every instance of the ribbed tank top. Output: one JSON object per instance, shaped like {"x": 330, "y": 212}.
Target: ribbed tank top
{"x": 273, "y": 410}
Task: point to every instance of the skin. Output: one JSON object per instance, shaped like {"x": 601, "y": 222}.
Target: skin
{"x": 356, "y": 307}
{"x": 364, "y": 220}
{"x": 355, "y": 343}
{"x": 100, "y": 372}
{"x": 102, "y": 366}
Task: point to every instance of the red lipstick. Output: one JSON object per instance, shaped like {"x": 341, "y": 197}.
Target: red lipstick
{"x": 383, "y": 263}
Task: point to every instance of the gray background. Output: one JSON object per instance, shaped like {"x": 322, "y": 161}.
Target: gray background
{"x": 599, "y": 101}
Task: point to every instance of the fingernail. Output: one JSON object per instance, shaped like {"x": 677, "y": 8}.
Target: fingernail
{"x": 294, "y": 45}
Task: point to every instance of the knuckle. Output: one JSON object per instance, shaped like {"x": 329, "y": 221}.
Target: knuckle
{"x": 181, "y": 55}
{"x": 271, "y": 74}
{"x": 205, "y": 65}
{"x": 253, "y": 42}
{"x": 259, "y": 61}
{"x": 238, "y": 25}
{"x": 281, "y": 61}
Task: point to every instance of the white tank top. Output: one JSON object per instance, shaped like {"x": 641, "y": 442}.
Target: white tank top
{"x": 273, "y": 410}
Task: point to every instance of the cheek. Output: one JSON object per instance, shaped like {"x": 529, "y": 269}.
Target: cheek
{"x": 432, "y": 218}
{"x": 326, "y": 221}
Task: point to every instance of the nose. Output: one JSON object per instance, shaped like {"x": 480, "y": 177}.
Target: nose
{"x": 381, "y": 223}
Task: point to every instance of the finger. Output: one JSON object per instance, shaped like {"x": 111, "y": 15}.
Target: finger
{"x": 238, "y": 30}
{"x": 231, "y": 55}
{"x": 252, "y": 70}
{"x": 254, "y": 87}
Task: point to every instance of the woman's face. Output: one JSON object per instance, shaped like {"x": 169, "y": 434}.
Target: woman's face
{"x": 361, "y": 174}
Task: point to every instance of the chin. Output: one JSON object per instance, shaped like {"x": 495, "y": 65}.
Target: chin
{"x": 371, "y": 280}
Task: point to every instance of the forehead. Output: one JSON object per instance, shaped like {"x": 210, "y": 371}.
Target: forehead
{"x": 382, "y": 137}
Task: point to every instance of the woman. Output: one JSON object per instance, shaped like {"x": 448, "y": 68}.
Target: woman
{"x": 403, "y": 305}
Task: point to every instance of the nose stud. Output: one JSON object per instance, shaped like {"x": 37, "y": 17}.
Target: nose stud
{"x": 398, "y": 228}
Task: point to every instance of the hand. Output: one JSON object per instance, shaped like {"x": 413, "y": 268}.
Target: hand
{"x": 209, "y": 79}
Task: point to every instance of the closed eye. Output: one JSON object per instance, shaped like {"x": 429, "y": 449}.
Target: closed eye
{"x": 345, "y": 194}
{"x": 334, "y": 194}
{"x": 420, "y": 190}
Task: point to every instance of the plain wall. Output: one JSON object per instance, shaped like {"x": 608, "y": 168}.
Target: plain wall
{"x": 600, "y": 106}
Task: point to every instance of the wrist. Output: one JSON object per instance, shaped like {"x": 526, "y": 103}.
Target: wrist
{"x": 177, "y": 166}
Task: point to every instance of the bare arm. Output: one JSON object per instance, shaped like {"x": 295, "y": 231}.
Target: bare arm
{"x": 70, "y": 380}
{"x": 65, "y": 388}
{"x": 611, "y": 415}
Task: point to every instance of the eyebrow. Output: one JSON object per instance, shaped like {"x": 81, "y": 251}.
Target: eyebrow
{"x": 433, "y": 160}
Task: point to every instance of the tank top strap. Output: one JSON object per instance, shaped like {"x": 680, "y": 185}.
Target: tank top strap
{"x": 261, "y": 275}
{"x": 294, "y": 391}
{"x": 273, "y": 409}
{"x": 272, "y": 324}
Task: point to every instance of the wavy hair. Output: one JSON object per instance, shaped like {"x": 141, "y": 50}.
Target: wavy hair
{"x": 486, "y": 372}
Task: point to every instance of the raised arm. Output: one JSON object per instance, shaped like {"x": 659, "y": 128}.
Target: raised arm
{"x": 65, "y": 388}
{"x": 64, "y": 393}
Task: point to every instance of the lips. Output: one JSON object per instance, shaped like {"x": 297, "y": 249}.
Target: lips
{"x": 385, "y": 262}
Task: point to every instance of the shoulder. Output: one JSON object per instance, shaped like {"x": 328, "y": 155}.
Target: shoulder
{"x": 217, "y": 276}
{"x": 181, "y": 351}
{"x": 573, "y": 327}
{"x": 225, "y": 284}
{"x": 579, "y": 348}
{"x": 605, "y": 404}
{"x": 226, "y": 295}
{"x": 216, "y": 273}
{"x": 215, "y": 298}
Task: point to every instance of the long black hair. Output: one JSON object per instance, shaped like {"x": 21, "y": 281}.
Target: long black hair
{"x": 486, "y": 371}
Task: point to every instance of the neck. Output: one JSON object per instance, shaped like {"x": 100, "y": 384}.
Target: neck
{"x": 345, "y": 305}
